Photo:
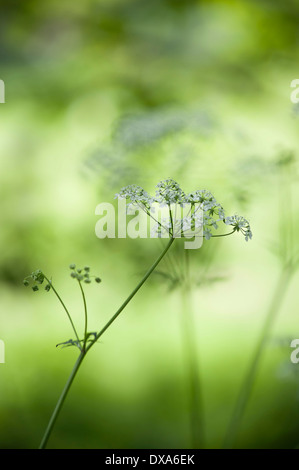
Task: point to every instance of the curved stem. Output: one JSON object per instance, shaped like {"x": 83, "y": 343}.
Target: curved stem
{"x": 61, "y": 401}
{"x": 248, "y": 383}
{"x": 64, "y": 306}
{"x": 223, "y": 234}
{"x": 148, "y": 273}
{"x": 85, "y": 315}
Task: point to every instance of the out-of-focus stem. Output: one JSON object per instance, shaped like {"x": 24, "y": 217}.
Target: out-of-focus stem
{"x": 191, "y": 363}
{"x": 247, "y": 386}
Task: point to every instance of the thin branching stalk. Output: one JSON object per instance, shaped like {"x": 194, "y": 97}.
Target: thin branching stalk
{"x": 84, "y": 351}
{"x": 85, "y": 315}
{"x": 64, "y": 306}
{"x": 223, "y": 234}
{"x": 145, "y": 277}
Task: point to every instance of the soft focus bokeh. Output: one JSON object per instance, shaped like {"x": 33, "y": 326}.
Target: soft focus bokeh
{"x": 104, "y": 93}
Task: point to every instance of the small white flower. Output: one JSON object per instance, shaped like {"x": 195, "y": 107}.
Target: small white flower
{"x": 207, "y": 234}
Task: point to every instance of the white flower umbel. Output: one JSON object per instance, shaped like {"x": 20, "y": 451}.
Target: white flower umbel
{"x": 240, "y": 225}
{"x": 177, "y": 214}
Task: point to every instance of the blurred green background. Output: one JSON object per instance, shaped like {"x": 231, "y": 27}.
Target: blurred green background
{"x": 105, "y": 93}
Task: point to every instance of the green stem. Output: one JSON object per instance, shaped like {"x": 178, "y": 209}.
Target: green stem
{"x": 66, "y": 310}
{"x": 85, "y": 316}
{"x": 61, "y": 400}
{"x": 223, "y": 234}
{"x": 85, "y": 350}
{"x": 247, "y": 386}
{"x": 148, "y": 273}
